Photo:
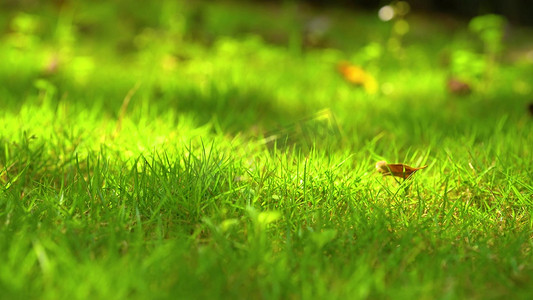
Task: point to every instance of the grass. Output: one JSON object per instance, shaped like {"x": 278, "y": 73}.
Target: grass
{"x": 204, "y": 155}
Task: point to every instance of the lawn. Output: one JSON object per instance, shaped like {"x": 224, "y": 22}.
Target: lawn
{"x": 227, "y": 150}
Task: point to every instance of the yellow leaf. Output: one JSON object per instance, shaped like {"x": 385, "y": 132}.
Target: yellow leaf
{"x": 356, "y": 75}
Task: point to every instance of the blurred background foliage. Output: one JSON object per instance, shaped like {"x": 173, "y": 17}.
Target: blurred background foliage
{"x": 268, "y": 62}
{"x": 518, "y": 11}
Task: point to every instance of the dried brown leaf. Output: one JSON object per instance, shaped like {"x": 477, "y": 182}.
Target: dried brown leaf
{"x": 398, "y": 170}
{"x": 458, "y": 87}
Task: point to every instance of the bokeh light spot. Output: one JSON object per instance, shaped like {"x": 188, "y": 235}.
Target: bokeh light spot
{"x": 402, "y": 8}
{"x": 401, "y": 27}
{"x": 386, "y": 13}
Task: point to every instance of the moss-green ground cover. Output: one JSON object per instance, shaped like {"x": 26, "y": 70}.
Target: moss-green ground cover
{"x": 212, "y": 151}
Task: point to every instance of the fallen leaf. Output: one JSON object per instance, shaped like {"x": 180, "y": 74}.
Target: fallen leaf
{"x": 356, "y": 75}
{"x": 458, "y": 87}
{"x": 398, "y": 170}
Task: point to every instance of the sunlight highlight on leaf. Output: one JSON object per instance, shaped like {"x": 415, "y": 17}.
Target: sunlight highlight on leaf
{"x": 267, "y": 217}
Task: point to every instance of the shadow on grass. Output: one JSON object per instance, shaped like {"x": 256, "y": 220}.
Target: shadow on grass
{"x": 231, "y": 110}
